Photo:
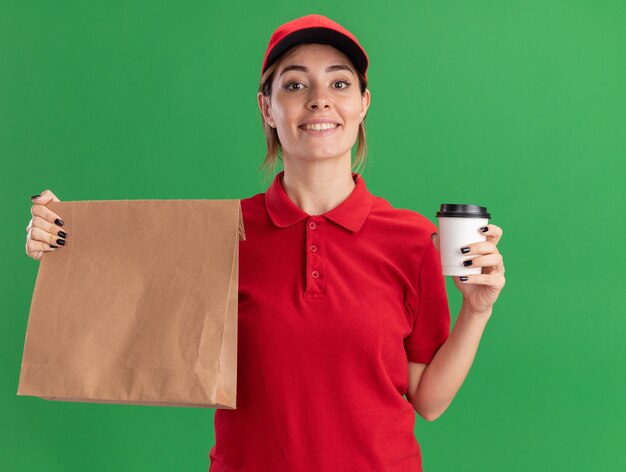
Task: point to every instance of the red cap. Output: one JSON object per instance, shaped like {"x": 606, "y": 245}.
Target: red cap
{"x": 314, "y": 29}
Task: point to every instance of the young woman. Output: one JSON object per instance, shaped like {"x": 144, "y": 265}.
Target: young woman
{"x": 344, "y": 324}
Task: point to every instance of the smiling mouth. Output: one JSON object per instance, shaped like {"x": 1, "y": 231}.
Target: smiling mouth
{"x": 319, "y": 130}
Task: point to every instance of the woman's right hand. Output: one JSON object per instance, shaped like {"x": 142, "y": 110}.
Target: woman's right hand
{"x": 44, "y": 229}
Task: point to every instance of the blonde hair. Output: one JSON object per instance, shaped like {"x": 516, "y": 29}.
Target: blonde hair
{"x": 274, "y": 148}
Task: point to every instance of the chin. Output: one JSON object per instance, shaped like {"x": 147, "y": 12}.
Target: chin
{"x": 327, "y": 153}
{"x": 322, "y": 156}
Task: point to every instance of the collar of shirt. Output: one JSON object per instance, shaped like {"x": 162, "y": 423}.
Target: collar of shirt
{"x": 351, "y": 213}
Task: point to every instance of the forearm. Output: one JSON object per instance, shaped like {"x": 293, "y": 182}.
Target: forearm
{"x": 443, "y": 377}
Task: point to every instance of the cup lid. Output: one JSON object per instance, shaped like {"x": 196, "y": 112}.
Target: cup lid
{"x": 460, "y": 210}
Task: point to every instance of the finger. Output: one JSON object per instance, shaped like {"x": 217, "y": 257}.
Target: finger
{"x": 36, "y": 249}
{"x": 493, "y": 233}
{"x": 435, "y": 239}
{"x": 44, "y": 198}
{"x": 46, "y": 213}
{"x": 489, "y": 260}
{"x": 481, "y": 247}
{"x": 494, "y": 279}
{"x": 32, "y": 247}
{"x": 38, "y": 234}
{"x": 51, "y": 228}
{"x": 37, "y": 255}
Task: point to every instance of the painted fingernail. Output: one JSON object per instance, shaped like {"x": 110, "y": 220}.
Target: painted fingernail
{"x": 63, "y": 234}
{"x": 484, "y": 229}
{"x": 467, "y": 263}
{"x": 61, "y": 242}
{"x": 463, "y": 278}
{"x": 465, "y": 250}
{"x": 59, "y": 222}
{"x": 35, "y": 196}
{"x": 51, "y": 245}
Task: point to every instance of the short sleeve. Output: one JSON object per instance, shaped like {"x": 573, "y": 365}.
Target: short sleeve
{"x": 427, "y": 301}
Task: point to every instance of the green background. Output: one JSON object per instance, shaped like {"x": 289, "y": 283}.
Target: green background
{"x": 519, "y": 106}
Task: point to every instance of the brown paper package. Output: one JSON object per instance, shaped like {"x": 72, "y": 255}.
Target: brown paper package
{"x": 139, "y": 306}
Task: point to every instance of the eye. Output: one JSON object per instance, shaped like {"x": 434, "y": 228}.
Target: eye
{"x": 344, "y": 82}
{"x": 288, "y": 85}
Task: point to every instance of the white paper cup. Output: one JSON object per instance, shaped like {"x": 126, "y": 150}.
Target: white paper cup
{"x": 459, "y": 225}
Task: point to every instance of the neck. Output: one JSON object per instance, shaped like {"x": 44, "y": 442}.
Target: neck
{"x": 317, "y": 187}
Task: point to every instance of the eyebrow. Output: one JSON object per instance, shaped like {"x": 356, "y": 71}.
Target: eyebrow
{"x": 306, "y": 69}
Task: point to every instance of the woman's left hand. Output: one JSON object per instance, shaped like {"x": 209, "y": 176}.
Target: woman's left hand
{"x": 480, "y": 291}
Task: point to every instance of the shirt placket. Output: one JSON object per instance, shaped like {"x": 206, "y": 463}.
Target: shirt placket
{"x": 315, "y": 258}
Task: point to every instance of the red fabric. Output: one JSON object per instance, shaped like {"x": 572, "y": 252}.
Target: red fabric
{"x": 331, "y": 309}
{"x": 284, "y": 31}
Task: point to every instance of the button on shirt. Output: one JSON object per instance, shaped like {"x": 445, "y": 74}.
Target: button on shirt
{"x": 331, "y": 309}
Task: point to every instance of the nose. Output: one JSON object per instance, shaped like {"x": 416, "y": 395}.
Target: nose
{"x": 318, "y": 97}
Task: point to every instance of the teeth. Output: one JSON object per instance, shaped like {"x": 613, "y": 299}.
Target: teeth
{"x": 320, "y": 126}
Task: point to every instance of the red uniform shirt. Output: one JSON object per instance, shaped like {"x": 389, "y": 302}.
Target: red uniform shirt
{"x": 331, "y": 309}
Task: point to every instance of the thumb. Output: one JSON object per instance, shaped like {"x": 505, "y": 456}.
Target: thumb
{"x": 435, "y": 238}
{"x": 44, "y": 198}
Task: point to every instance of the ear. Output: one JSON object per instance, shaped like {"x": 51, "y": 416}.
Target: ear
{"x": 365, "y": 103}
{"x": 264, "y": 106}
